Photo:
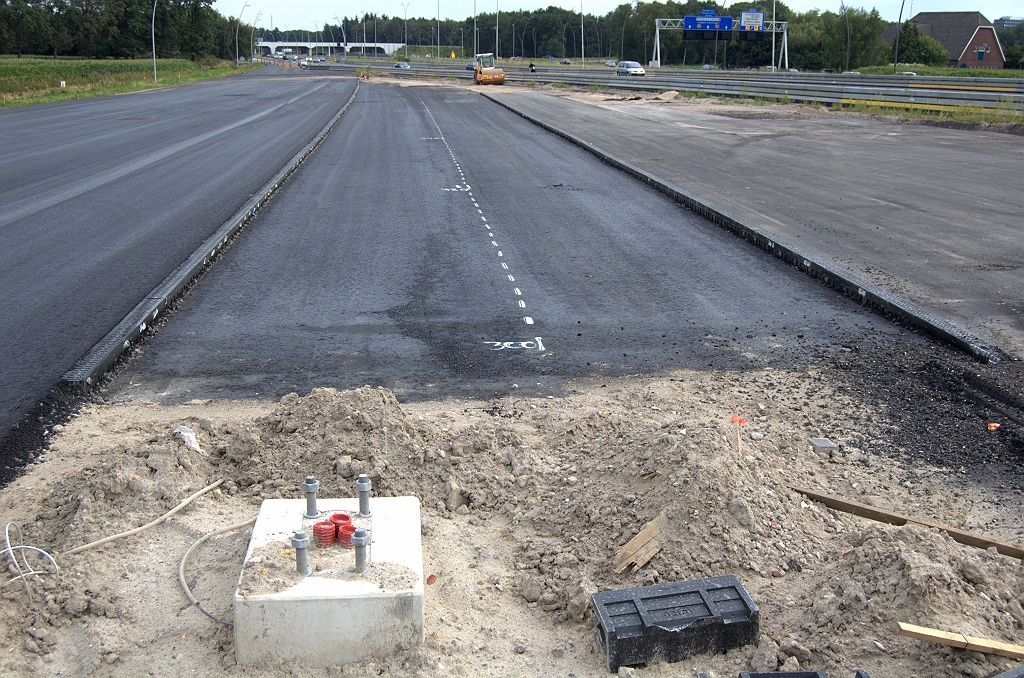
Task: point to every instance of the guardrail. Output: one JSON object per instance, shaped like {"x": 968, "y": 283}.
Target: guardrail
{"x": 929, "y": 93}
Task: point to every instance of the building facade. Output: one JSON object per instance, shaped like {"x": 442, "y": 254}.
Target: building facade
{"x": 969, "y": 37}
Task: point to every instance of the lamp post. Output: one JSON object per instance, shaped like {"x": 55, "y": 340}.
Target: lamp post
{"x": 846, "y": 13}
{"x": 238, "y": 23}
{"x": 475, "y": 48}
{"x": 622, "y": 41}
{"x": 899, "y": 27}
{"x": 405, "y": 6}
{"x": 152, "y": 29}
{"x": 497, "y": 28}
{"x": 344, "y": 38}
{"x": 583, "y": 40}
{"x": 253, "y": 31}
{"x": 439, "y": 32}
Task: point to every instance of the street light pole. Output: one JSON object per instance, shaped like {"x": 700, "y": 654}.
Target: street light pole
{"x": 899, "y": 28}
{"x": 439, "y": 32}
{"x": 344, "y": 38}
{"x": 583, "y": 42}
{"x": 238, "y": 24}
{"x": 405, "y": 6}
{"x": 497, "y": 29}
{"x": 253, "y": 31}
{"x": 475, "y": 48}
{"x": 152, "y": 28}
{"x": 846, "y": 13}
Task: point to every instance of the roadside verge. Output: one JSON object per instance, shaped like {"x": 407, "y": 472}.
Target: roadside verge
{"x": 827, "y": 272}
{"x": 102, "y": 356}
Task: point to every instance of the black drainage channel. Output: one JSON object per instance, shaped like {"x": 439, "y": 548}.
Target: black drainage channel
{"x": 105, "y": 353}
{"x": 867, "y": 293}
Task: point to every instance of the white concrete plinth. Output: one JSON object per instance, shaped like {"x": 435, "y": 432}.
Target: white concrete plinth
{"x": 333, "y": 616}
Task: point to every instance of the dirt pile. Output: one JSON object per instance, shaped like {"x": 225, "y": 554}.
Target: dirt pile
{"x": 539, "y": 493}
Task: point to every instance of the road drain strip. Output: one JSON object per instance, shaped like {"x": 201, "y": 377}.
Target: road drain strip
{"x": 850, "y": 285}
{"x": 105, "y": 353}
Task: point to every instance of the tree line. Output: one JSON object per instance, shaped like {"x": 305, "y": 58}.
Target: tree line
{"x": 817, "y": 40}
{"x": 848, "y": 39}
{"x": 189, "y": 29}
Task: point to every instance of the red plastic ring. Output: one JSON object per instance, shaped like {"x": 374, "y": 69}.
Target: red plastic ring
{"x": 325, "y": 533}
{"x": 345, "y": 533}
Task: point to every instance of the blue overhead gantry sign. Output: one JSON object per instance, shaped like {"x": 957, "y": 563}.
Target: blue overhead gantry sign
{"x": 707, "y": 21}
{"x": 751, "y": 20}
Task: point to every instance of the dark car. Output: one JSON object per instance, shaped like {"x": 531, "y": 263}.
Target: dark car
{"x": 402, "y": 64}
{"x": 471, "y": 66}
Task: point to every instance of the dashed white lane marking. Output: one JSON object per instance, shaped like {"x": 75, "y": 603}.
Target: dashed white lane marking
{"x": 465, "y": 187}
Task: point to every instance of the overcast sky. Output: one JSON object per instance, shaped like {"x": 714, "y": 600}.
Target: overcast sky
{"x": 309, "y": 14}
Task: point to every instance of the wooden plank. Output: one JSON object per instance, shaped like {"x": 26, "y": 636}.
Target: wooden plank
{"x": 627, "y": 554}
{"x": 995, "y": 647}
{"x": 961, "y": 641}
{"x": 883, "y": 516}
{"x": 932, "y": 635}
{"x": 645, "y": 553}
{"x": 856, "y": 508}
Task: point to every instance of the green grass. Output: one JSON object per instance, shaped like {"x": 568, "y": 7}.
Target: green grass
{"x": 921, "y": 69}
{"x": 34, "y": 80}
{"x": 967, "y": 114}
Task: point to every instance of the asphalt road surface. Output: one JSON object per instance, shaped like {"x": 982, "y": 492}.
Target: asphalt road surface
{"x": 934, "y": 215}
{"x": 438, "y": 244}
{"x": 101, "y": 198}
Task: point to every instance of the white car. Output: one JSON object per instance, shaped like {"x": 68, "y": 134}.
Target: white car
{"x": 629, "y": 68}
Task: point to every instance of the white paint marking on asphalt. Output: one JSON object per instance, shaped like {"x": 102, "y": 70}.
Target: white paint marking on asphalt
{"x": 465, "y": 187}
{"x": 530, "y": 345}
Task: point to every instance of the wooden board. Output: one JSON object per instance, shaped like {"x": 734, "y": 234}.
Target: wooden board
{"x": 639, "y": 550}
{"x": 961, "y": 641}
{"x": 883, "y": 516}
{"x": 995, "y": 647}
{"x": 932, "y": 635}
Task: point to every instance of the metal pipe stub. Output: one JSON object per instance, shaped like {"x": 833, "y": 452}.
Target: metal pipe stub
{"x": 309, "y": 488}
{"x": 300, "y": 540}
{"x": 360, "y": 540}
{"x": 363, "y": 487}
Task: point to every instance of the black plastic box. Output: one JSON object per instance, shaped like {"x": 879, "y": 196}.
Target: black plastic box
{"x": 670, "y": 622}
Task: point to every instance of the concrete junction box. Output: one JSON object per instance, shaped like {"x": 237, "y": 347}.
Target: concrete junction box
{"x": 333, "y": 616}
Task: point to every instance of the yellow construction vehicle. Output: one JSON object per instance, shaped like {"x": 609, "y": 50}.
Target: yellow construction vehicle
{"x": 485, "y": 72}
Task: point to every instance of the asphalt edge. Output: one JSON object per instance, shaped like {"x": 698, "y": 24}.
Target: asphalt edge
{"x": 825, "y": 271}
{"x": 102, "y": 356}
